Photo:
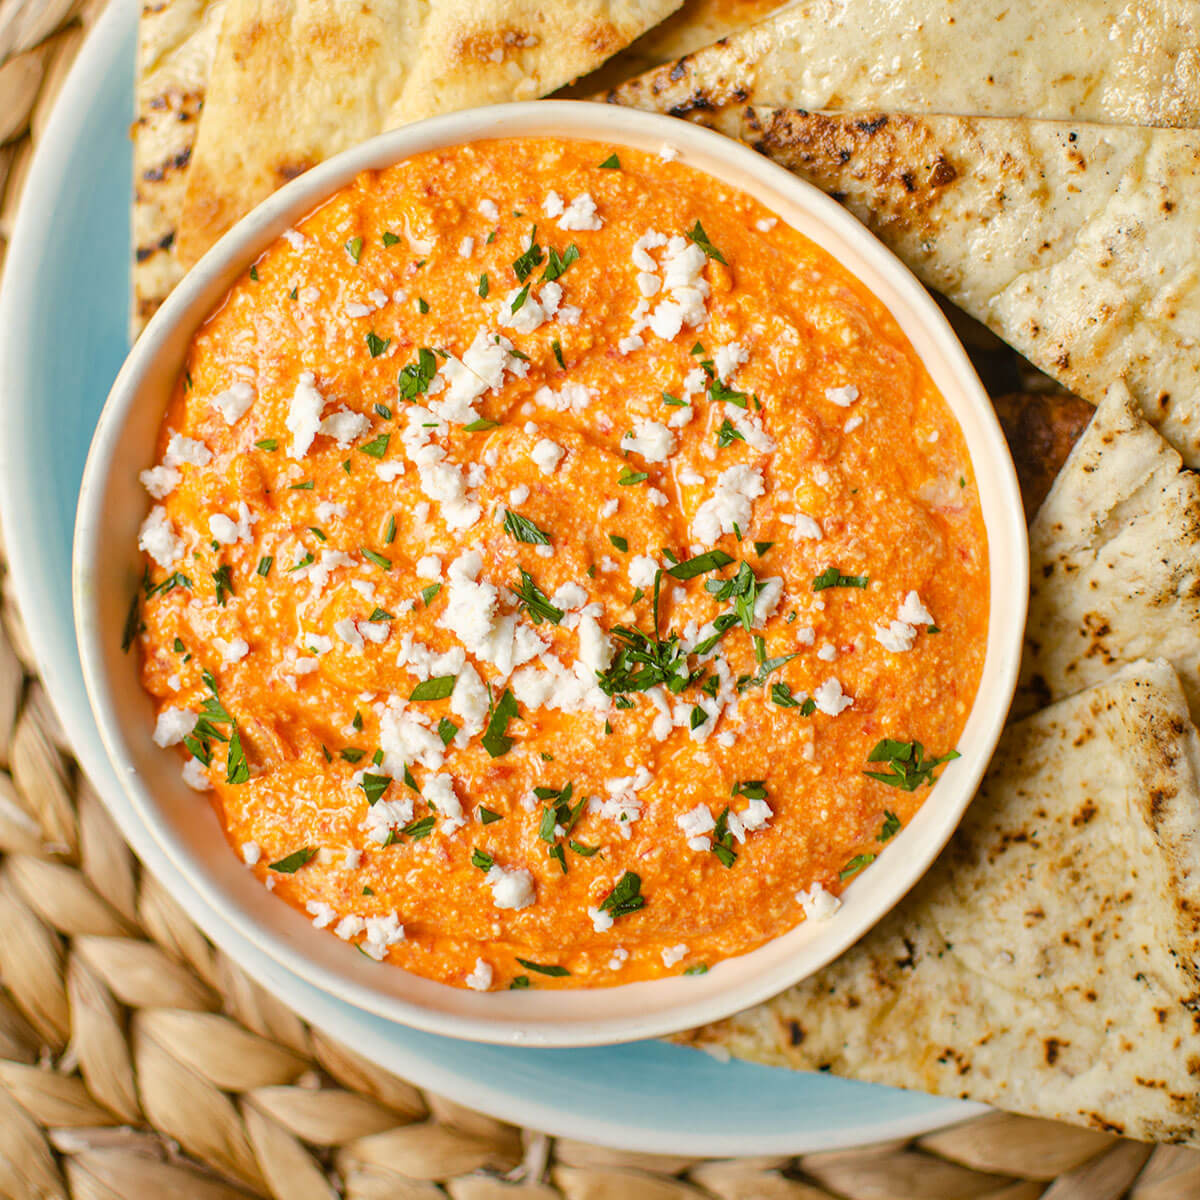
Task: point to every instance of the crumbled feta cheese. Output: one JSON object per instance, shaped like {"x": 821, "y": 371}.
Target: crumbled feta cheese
{"x": 439, "y": 791}
{"x": 770, "y": 592}
{"x": 696, "y": 824}
{"x": 766, "y": 224}
{"x": 195, "y": 775}
{"x": 480, "y": 979}
{"x": 730, "y": 504}
{"x": 651, "y": 439}
{"x": 160, "y": 482}
{"x": 182, "y": 450}
{"x": 595, "y": 648}
{"x": 488, "y": 210}
{"x": 304, "y": 414}
{"x": 157, "y": 537}
{"x": 580, "y": 214}
{"x": 642, "y": 569}
{"x": 233, "y": 403}
{"x": 601, "y": 920}
{"x": 323, "y": 914}
{"x": 818, "y": 904}
{"x": 572, "y": 397}
{"x": 667, "y": 152}
{"x": 727, "y": 359}
{"x": 913, "y": 612}
{"x": 295, "y": 239}
{"x": 843, "y": 397}
{"x": 804, "y": 526}
{"x": 233, "y": 650}
{"x": 344, "y": 426}
{"x": 429, "y": 566}
{"x": 547, "y": 455}
{"x": 830, "y": 698}
{"x": 229, "y": 532}
{"x": 466, "y": 247}
{"x": 251, "y": 853}
{"x": 569, "y": 596}
{"x": 553, "y": 205}
{"x": 827, "y": 652}
{"x": 511, "y": 889}
{"x": 173, "y": 725}
{"x": 382, "y": 932}
{"x": 672, "y": 954}
{"x": 347, "y": 630}
{"x": 896, "y": 637}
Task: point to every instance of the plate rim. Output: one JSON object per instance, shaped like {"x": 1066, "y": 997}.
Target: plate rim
{"x": 50, "y": 163}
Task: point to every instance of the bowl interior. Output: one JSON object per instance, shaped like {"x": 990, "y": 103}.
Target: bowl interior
{"x": 112, "y": 505}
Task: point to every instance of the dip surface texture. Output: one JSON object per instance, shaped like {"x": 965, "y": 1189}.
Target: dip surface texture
{"x": 430, "y": 466}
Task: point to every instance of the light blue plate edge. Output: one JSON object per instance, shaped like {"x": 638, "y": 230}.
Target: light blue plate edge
{"x": 62, "y": 339}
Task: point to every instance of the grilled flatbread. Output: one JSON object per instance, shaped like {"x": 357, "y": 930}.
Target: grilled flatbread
{"x": 295, "y": 81}
{"x": 1114, "y": 561}
{"x": 1087, "y": 60}
{"x": 698, "y": 23}
{"x": 176, "y": 43}
{"x": 1048, "y": 962}
{"x": 1073, "y": 242}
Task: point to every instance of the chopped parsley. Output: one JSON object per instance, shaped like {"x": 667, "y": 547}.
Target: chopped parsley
{"x": 422, "y": 827}
{"x": 701, "y": 564}
{"x": 389, "y": 238}
{"x": 722, "y": 840}
{"x": 377, "y": 446}
{"x": 760, "y": 548}
{"x": 542, "y": 969}
{"x": 354, "y": 248}
{"x": 698, "y": 969}
{"x": 557, "y": 263}
{"x": 611, "y": 163}
{"x": 374, "y": 786}
{"x": 522, "y": 529}
{"x": 422, "y": 304}
{"x": 376, "y": 344}
{"x": 619, "y": 542}
{"x": 237, "y": 770}
{"x": 535, "y": 602}
{"x": 556, "y": 346}
{"x": 429, "y": 594}
{"x": 488, "y": 817}
{"x": 222, "y": 578}
{"x": 291, "y": 863}
{"x": 389, "y": 530}
{"x": 629, "y": 477}
{"x": 380, "y": 614}
{"x": 480, "y": 425}
{"x": 727, "y": 434}
{"x": 268, "y": 444}
{"x": 625, "y": 898}
{"x": 482, "y": 859}
{"x": 909, "y": 766}
{"x": 484, "y": 286}
{"x": 696, "y": 234}
{"x": 415, "y": 378}
{"x": 520, "y": 298}
{"x": 438, "y": 688}
{"x": 495, "y": 737}
{"x": 380, "y": 560}
{"x": 524, "y": 264}
{"x": 855, "y": 865}
{"x": 891, "y": 826}
{"x": 831, "y": 577}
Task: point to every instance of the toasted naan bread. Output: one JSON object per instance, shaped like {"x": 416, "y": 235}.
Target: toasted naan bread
{"x": 1048, "y": 962}
{"x": 1088, "y": 60}
{"x": 1074, "y": 242}
{"x": 296, "y": 81}
{"x": 1114, "y": 561}
{"x": 177, "y": 40}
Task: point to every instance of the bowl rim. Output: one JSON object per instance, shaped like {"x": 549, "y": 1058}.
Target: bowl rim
{"x": 560, "y": 1018}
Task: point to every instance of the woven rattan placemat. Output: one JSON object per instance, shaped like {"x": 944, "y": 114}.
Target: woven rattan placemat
{"x": 136, "y": 1061}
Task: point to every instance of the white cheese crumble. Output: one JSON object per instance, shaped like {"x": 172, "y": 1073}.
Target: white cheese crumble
{"x": 157, "y": 537}
{"x": 466, "y": 247}
{"x": 651, "y": 439}
{"x": 843, "y": 397}
{"x": 228, "y": 531}
{"x": 344, "y": 426}
{"x": 818, "y": 904}
{"x": 642, "y": 569}
{"x": 233, "y": 650}
{"x": 547, "y": 455}
{"x": 601, "y": 921}
{"x": 696, "y": 824}
{"x": 511, "y": 889}
{"x": 487, "y": 210}
{"x": 251, "y": 853}
{"x": 673, "y": 954}
{"x": 896, "y": 637}
{"x": 914, "y": 612}
{"x": 195, "y": 775}
{"x": 304, "y": 414}
{"x": 182, "y": 450}
{"x": 730, "y": 504}
{"x": 580, "y": 213}
{"x": 831, "y": 699}
{"x": 160, "y": 482}
{"x": 233, "y": 403}
{"x": 173, "y": 725}
{"x": 480, "y": 978}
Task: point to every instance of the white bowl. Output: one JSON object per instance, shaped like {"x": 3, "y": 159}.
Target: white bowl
{"x": 112, "y": 505}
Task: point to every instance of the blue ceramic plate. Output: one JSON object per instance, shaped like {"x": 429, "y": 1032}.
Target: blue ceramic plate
{"x": 63, "y": 318}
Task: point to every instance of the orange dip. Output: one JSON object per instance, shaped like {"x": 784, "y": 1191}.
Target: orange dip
{"x": 428, "y": 466}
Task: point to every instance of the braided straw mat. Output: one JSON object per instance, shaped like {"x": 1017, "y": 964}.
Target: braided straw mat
{"x": 136, "y": 1061}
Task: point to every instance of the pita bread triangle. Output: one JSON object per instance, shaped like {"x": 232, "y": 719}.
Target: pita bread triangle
{"x": 1114, "y": 561}
{"x": 177, "y": 40}
{"x": 1047, "y": 963}
{"x": 1073, "y": 242}
{"x": 1087, "y": 60}
{"x": 295, "y": 81}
